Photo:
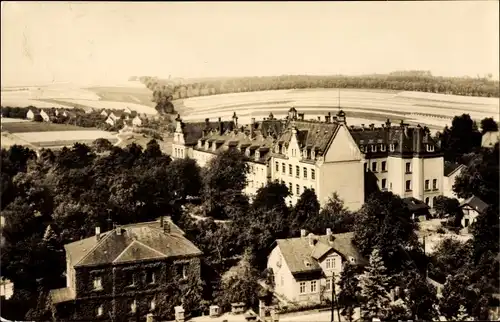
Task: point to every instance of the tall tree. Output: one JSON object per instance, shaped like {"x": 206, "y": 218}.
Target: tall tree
{"x": 457, "y": 291}
{"x": 349, "y": 296}
{"x": 488, "y": 125}
{"x": 374, "y": 283}
{"x": 418, "y": 295}
{"x": 306, "y": 207}
{"x": 463, "y": 137}
{"x": 184, "y": 178}
{"x": 333, "y": 215}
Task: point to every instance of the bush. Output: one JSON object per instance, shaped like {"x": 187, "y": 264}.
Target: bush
{"x": 440, "y": 230}
{"x": 306, "y": 307}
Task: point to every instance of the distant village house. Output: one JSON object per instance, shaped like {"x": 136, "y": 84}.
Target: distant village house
{"x": 472, "y": 207}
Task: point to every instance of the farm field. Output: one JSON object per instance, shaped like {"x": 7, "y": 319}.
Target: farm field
{"x": 25, "y": 126}
{"x": 119, "y": 97}
{"x": 374, "y": 105}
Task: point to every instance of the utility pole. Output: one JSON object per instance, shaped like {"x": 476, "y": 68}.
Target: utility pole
{"x": 334, "y": 299}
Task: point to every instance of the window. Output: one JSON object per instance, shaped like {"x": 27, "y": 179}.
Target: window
{"x": 304, "y": 187}
{"x": 430, "y": 148}
{"x": 365, "y": 167}
{"x": 150, "y": 277}
{"x": 277, "y": 166}
{"x": 408, "y": 185}
{"x": 433, "y": 201}
{"x": 297, "y": 171}
{"x": 297, "y": 189}
{"x": 427, "y": 201}
{"x": 391, "y": 147}
{"x": 100, "y": 310}
{"x": 182, "y": 270}
{"x": 384, "y": 166}
{"x": 290, "y": 170}
{"x": 374, "y": 148}
{"x": 302, "y": 287}
{"x": 390, "y": 185}
{"x": 330, "y": 263}
{"x": 314, "y": 286}
{"x": 382, "y": 147}
{"x": 97, "y": 284}
{"x": 152, "y": 304}
{"x": 283, "y": 167}
{"x": 328, "y": 284}
{"x": 313, "y": 174}
{"x": 133, "y": 306}
{"x": 374, "y": 166}
{"x": 426, "y": 184}
{"x": 282, "y": 182}
{"x": 408, "y": 167}
{"x": 384, "y": 183}
{"x": 130, "y": 278}
{"x": 305, "y": 173}
{"x": 290, "y": 188}
{"x": 434, "y": 184}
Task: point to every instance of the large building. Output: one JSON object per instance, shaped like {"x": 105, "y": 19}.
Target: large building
{"x": 325, "y": 155}
{"x": 123, "y": 274}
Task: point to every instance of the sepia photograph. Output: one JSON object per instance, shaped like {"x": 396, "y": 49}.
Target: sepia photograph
{"x": 274, "y": 161}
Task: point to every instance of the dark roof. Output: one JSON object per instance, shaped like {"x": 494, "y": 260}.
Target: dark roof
{"x": 476, "y": 203}
{"x": 136, "y": 242}
{"x": 310, "y": 134}
{"x": 194, "y": 131}
{"x": 450, "y": 168}
{"x": 406, "y": 139}
{"x": 301, "y": 257}
{"x": 414, "y": 204}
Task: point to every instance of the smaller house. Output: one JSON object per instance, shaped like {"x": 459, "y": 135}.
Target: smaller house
{"x": 6, "y": 288}
{"x": 116, "y": 115}
{"x": 30, "y": 115}
{"x": 451, "y": 172}
{"x": 305, "y": 267}
{"x": 111, "y": 121}
{"x": 489, "y": 139}
{"x": 47, "y": 115}
{"x": 137, "y": 121}
{"x": 105, "y": 113}
{"x": 419, "y": 210}
{"x": 471, "y": 208}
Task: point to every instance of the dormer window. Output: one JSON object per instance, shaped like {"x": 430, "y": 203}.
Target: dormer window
{"x": 207, "y": 145}
{"x": 257, "y": 155}
{"x": 374, "y": 148}
{"x": 97, "y": 284}
{"x": 313, "y": 155}
{"x": 307, "y": 263}
{"x": 430, "y": 148}
{"x": 391, "y": 147}
{"x": 214, "y": 146}
{"x": 304, "y": 153}
{"x": 100, "y": 311}
{"x": 362, "y": 148}
{"x": 284, "y": 150}
{"x": 277, "y": 149}
{"x": 200, "y": 144}
{"x": 352, "y": 260}
{"x": 247, "y": 152}
{"x": 382, "y": 148}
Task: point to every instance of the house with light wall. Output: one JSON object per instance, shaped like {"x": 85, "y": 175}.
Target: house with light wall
{"x": 404, "y": 159}
{"x": 471, "y": 208}
{"x": 451, "y": 172}
{"x": 305, "y": 268}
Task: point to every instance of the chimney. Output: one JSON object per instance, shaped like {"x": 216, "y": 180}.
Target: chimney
{"x": 166, "y": 227}
{"x": 418, "y": 138}
{"x": 252, "y": 125}
{"x": 98, "y": 233}
{"x": 363, "y": 127}
{"x": 329, "y": 234}
{"x": 312, "y": 241}
{"x": 327, "y": 119}
{"x": 303, "y": 233}
{"x": 388, "y": 123}
{"x": 372, "y": 126}
{"x": 220, "y": 126}
{"x": 161, "y": 221}
{"x": 319, "y": 118}
{"x": 301, "y": 116}
{"x": 118, "y": 230}
{"x": 235, "y": 120}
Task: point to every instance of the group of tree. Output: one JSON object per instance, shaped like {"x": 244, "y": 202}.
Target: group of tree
{"x": 422, "y": 81}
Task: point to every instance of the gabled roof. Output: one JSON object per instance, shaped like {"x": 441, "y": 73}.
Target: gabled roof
{"x": 301, "y": 257}
{"x": 310, "y": 134}
{"x": 135, "y": 242}
{"x": 450, "y": 168}
{"x": 475, "y": 203}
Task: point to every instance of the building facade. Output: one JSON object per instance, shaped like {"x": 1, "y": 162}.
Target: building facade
{"x": 305, "y": 267}
{"x": 325, "y": 155}
{"x": 124, "y": 274}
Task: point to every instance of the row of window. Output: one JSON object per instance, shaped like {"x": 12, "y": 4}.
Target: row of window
{"x": 297, "y": 188}
{"x": 305, "y": 152}
{"x": 408, "y": 185}
{"x": 308, "y": 287}
{"x": 434, "y": 185}
{"x": 132, "y": 307}
{"x": 392, "y": 148}
{"x": 178, "y": 153}
{"x": 297, "y": 170}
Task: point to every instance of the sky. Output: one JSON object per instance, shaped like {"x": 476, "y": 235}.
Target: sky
{"x": 105, "y": 42}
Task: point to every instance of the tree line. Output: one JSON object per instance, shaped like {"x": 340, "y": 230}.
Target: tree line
{"x": 165, "y": 90}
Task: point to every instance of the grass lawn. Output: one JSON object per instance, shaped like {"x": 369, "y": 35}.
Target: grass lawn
{"x": 25, "y": 127}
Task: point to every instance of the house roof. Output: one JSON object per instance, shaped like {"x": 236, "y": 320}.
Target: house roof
{"x": 450, "y": 168}
{"x": 414, "y": 204}
{"x": 301, "y": 257}
{"x": 489, "y": 139}
{"x": 136, "y": 242}
{"x": 406, "y": 139}
{"x": 312, "y": 135}
{"x": 476, "y": 203}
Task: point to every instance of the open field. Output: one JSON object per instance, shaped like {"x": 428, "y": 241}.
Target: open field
{"x": 375, "y": 105}
{"x": 64, "y": 138}
{"x": 29, "y": 127}
{"x": 135, "y": 97}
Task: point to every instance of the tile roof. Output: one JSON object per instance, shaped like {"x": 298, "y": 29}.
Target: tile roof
{"x": 136, "y": 242}
{"x": 450, "y": 168}
{"x": 301, "y": 257}
{"x": 194, "y": 131}
{"x": 310, "y": 134}
{"x": 476, "y": 203}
